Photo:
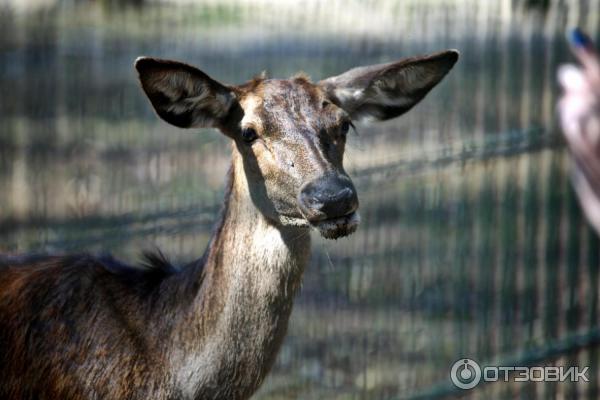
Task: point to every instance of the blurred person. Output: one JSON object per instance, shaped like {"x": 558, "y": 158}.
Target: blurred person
{"x": 579, "y": 109}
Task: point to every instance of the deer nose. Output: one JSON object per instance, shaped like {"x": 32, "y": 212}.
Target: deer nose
{"x": 331, "y": 196}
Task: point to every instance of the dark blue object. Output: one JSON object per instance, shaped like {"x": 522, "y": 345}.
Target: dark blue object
{"x": 580, "y": 39}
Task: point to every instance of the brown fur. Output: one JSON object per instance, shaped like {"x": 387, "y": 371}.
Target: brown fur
{"x": 70, "y": 323}
{"x": 83, "y": 327}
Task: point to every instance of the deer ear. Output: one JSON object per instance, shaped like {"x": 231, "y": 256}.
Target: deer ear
{"x": 183, "y": 95}
{"x": 388, "y": 90}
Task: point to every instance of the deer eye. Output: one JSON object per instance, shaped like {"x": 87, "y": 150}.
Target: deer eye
{"x": 344, "y": 128}
{"x": 249, "y": 135}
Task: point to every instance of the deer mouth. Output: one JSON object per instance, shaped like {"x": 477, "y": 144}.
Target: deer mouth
{"x": 335, "y": 228}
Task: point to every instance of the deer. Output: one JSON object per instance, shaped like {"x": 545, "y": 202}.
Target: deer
{"x": 84, "y": 326}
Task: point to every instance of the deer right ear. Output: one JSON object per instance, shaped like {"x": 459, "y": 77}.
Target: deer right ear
{"x": 183, "y": 95}
{"x": 386, "y": 91}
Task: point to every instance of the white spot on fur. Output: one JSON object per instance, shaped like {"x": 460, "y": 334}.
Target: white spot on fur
{"x": 291, "y": 221}
{"x": 250, "y": 104}
{"x": 348, "y": 94}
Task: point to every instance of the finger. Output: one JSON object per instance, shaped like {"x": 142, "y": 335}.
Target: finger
{"x": 584, "y": 50}
{"x": 571, "y": 78}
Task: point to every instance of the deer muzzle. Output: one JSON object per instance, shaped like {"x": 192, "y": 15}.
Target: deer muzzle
{"x": 329, "y": 204}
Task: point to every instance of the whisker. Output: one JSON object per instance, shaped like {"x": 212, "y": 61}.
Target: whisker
{"x": 328, "y": 256}
{"x": 301, "y": 235}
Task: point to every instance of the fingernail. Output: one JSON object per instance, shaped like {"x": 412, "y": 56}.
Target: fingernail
{"x": 580, "y": 39}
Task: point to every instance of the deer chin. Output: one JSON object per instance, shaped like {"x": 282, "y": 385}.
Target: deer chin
{"x": 335, "y": 228}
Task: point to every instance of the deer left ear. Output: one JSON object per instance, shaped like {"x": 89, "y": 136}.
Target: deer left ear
{"x": 183, "y": 95}
{"x": 388, "y": 90}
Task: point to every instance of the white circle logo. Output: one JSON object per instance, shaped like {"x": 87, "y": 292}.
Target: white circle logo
{"x": 465, "y": 374}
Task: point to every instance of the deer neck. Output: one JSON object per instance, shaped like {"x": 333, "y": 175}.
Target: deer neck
{"x": 252, "y": 270}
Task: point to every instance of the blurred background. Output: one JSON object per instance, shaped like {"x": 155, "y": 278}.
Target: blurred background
{"x": 472, "y": 242}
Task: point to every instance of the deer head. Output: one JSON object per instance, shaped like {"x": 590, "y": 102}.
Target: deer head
{"x": 289, "y": 134}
